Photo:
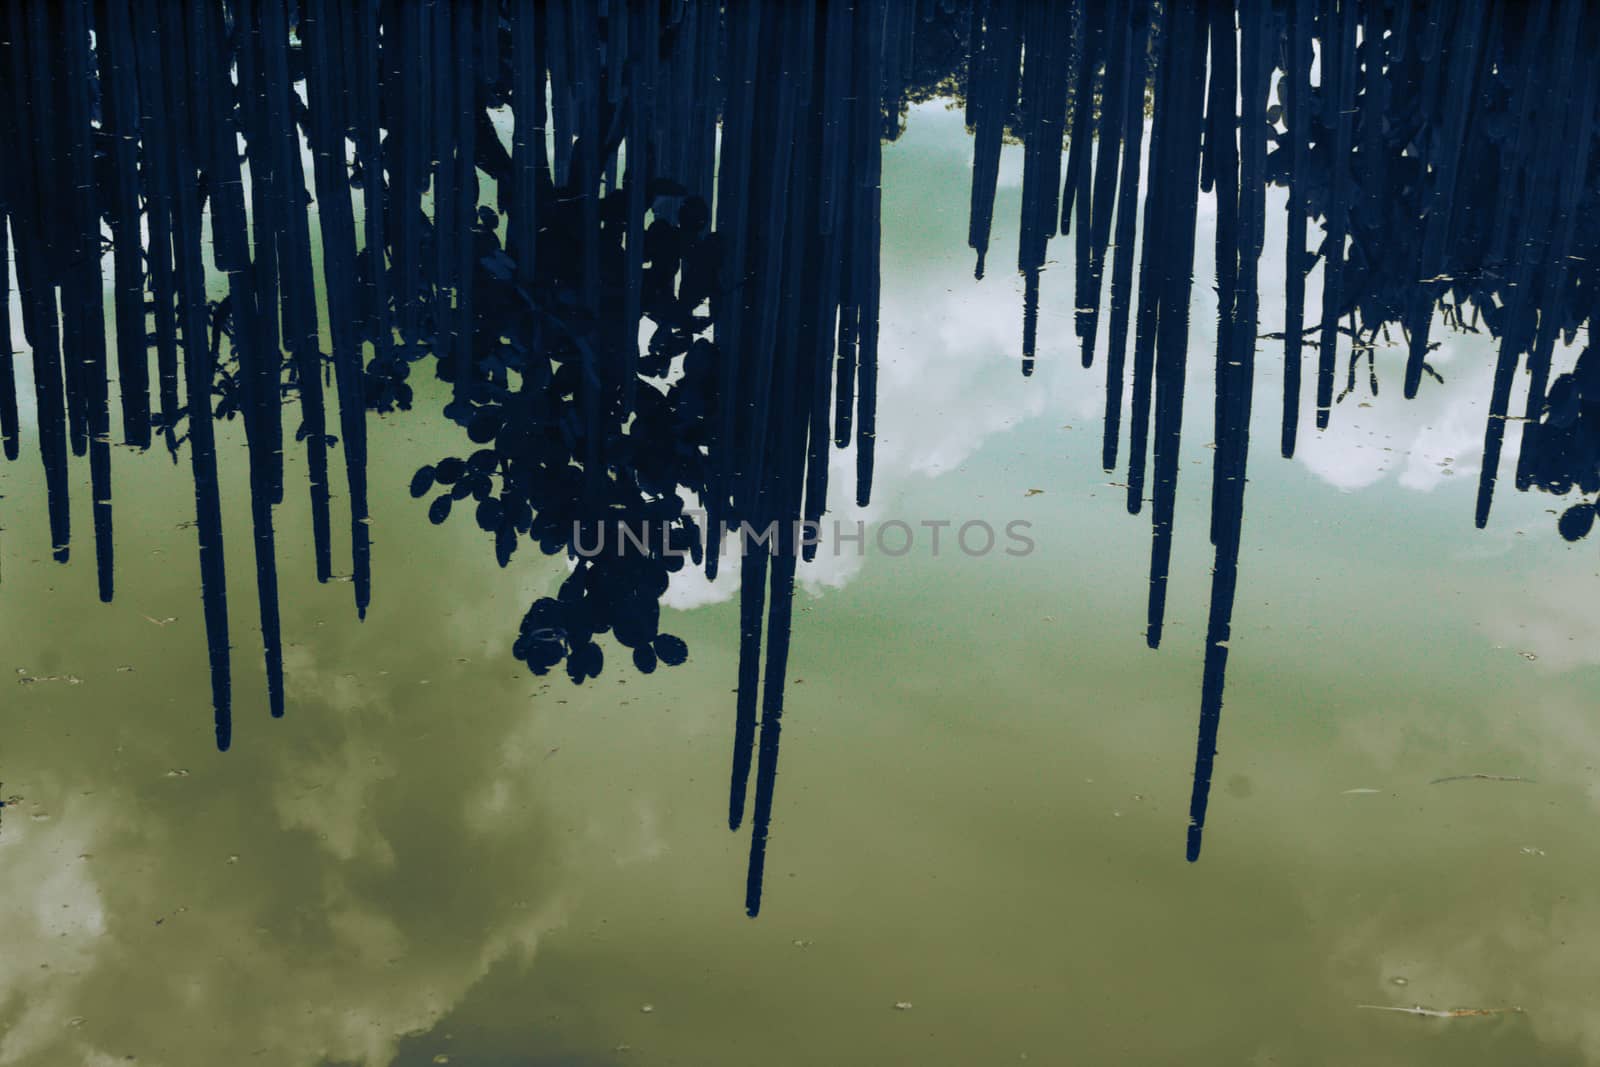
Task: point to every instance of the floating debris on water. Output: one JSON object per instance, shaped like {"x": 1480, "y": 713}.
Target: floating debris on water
{"x": 24, "y": 678}
{"x": 1481, "y": 778}
{"x": 1442, "y": 1013}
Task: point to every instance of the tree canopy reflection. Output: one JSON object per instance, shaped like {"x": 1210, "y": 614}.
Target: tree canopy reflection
{"x": 670, "y": 297}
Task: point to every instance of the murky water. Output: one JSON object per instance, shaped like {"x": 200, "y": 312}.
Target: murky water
{"x": 977, "y": 849}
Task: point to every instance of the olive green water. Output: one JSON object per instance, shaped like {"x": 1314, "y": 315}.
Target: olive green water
{"x": 977, "y": 853}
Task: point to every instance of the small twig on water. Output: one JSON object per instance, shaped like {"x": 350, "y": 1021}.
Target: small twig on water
{"x": 1443, "y": 1013}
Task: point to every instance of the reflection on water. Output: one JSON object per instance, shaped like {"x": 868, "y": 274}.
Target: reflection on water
{"x": 655, "y": 267}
